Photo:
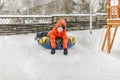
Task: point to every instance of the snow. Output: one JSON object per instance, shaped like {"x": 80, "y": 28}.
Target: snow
{"x": 21, "y": 58}
{"x": 114, "y": 2}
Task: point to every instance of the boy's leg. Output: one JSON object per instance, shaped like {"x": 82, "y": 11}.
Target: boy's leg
{"x": 53, "y": 44}
{"x": 65, "y": 44}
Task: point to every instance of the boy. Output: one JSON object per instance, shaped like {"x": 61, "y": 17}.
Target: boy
{"x": 59, "y": 30}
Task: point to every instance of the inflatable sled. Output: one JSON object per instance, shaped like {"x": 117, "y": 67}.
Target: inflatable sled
{"x": 44, "y": 41}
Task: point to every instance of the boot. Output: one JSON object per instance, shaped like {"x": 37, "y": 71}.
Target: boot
{"x": 65, "y": 51}
{"x": 52, "y": 51}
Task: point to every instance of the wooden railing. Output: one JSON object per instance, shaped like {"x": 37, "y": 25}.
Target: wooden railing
{"x": 21, "y": 24}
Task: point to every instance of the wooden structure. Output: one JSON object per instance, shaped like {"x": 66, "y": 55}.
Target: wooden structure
{"x": 113, "y": 19}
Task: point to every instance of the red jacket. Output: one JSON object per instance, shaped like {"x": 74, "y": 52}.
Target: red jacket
{"x": 54, "y": 33}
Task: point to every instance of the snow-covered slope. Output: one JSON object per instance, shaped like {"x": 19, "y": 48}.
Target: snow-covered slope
{"x": 21, "y": 58}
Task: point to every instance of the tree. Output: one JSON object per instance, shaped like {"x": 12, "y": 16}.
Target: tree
{"x": 1, "y": 7}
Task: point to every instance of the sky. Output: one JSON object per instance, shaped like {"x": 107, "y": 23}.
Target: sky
{"x": 21, "y": 58}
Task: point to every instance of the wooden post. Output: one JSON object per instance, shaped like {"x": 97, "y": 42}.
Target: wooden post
{"x": 108, "y": 26}
{"x": 115, "y": 31}
{"x": 108, "y": 38}
{"x": 108, "y": 9}
{"x": 118, "y": 8}
{"x": 104, "y": 41}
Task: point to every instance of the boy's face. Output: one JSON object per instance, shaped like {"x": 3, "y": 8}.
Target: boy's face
{"x": 60, "y": 29}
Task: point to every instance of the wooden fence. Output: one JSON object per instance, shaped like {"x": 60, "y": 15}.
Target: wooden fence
{"x": 21, "y": 24}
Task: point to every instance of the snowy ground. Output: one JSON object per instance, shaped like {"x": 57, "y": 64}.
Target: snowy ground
{"x": 21, "y": 58}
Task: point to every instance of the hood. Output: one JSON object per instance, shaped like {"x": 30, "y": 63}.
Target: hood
{"x": 61, "y": 22}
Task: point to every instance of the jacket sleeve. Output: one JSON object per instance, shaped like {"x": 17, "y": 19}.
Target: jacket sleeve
{"x": 52, "y": 37}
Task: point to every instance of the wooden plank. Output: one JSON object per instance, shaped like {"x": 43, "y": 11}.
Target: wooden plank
{"x": 113, "y": 21}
